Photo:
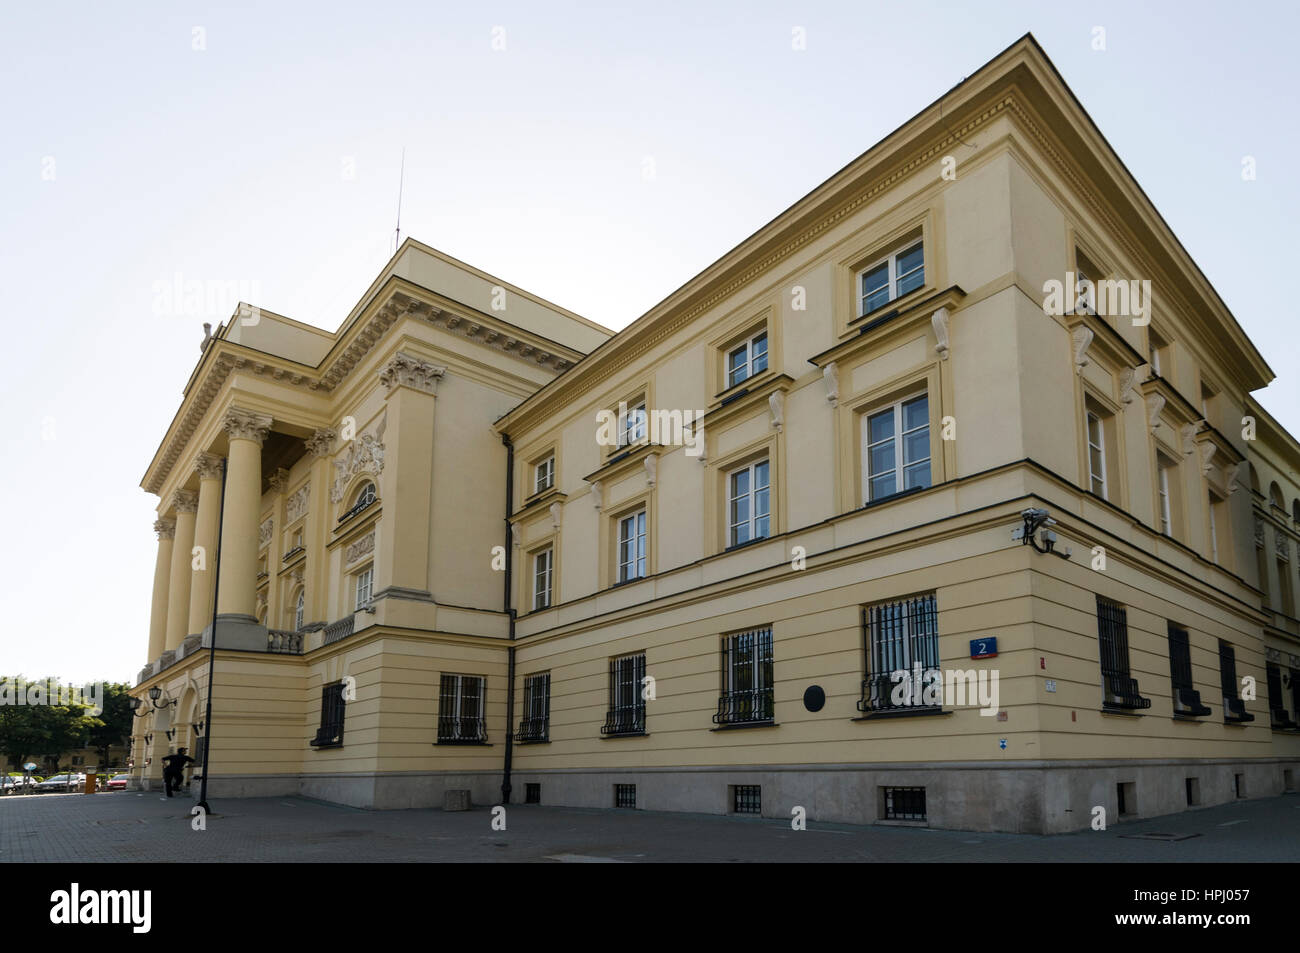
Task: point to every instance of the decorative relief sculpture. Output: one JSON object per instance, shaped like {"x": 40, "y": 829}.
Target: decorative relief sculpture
{"x": 365, "y": 454}
{"x": 1082, "y": 338}
{"x": 362, "y": 547}
{"x": 1127, "y": 378}
{"x": 556, "y": 512}
{"x": 776, "y": 404}
{"x": 1208, "y": 450}
{"x": 296, "y": 506}
{"x": 830, "y": 376}
{"x": 264, "y": 532}
{"x": 651, "y": 469}
{"x": 1155, "y": 404}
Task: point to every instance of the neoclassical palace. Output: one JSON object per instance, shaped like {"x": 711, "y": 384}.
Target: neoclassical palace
{"x": 866, "y": 519}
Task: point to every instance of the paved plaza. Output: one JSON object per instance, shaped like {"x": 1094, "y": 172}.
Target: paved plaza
{"x": 128, "y": 826}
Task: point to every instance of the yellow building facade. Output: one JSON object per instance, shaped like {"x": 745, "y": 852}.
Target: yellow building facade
{"x": 941, "y": 499}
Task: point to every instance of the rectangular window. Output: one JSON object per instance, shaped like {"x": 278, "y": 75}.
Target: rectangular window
{"x": 904, "y": 804}
{"x": 1278, "y": 716}
{"x": 460, "y": 710}
{"x": 747, "y": 799}
{"x": 542, "y": 576}
{"x": 1166, "y": 519}
{"x": 544, "y": 475}
{"x": 1097, "y": 454}
{"x": 330, "y": 732}
{"x": 1157, "y": 353}
{"x": 891, "y": 278}
{"x": 748, "y": 504}
{"x": 898, "y": 636}
{"x": 1217, "y": 512}
{"x": 633, "y": 425}
{"x": 364, "y": 580}
{"x": 631, "y": 547}
{"x": 1187, "y": 700}
{"x": 1119, "y": 688}
{"x": 896, "y": 448}
{"x": 747, "y": 679}
{"x": 625, "y": 796}
{"x": 1234, "y": 708}
{"x": 626, "y": 714}
{"x": 533, "y": 792}
{"x": 536, "y": 722}
{"x": 747, "y": 359}
{"x": 1285, "y": 604}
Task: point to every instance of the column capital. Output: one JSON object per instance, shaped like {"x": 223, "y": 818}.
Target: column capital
{"x": 166, "y": 529}
{"x": 246, "y": 425}
{"x": 208, "y": 466}
{"x": 407, "y": 370}
{"x": 321, "y": 442}
{"x": 279, "y": 481}
{"x": 185, "y": 501}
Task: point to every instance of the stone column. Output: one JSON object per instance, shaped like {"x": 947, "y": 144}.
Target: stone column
{"x": 237, "y": 597}
{"x": 321, "y": 447}
{"x": 402, "y": 548}
{"x": 162, "y": 568}
{"x": 186, "y": 504}
{"x": 208, "y": 467}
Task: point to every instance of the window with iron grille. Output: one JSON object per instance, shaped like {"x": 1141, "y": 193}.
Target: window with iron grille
{"x": 904, "y": 804}
{"x": 746, "y": 679}
{"x": 747, "y": 799}
{"x": 330, "y": 733}
{"x": 625, "y": 796}
{"x": 898, "y": 636}
{"x": 533, "y": 793}
{"x": 1277, "y": 700}
{"x": 626, "y": 715}
{"x": 1234, "y": 708}
{"x": 1187, "y": 700}
{"x": 1119, "y": 690}
{"x": 460, "y": 710}
{"x": 536, "y": 723}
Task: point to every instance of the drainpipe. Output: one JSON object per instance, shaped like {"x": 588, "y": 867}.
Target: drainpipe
{"x": 510, "y": 612}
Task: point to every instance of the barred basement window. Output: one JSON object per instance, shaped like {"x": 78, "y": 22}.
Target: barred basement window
{"x": 747, "y": 799}
{"x": 1276, "y": 704}
{"x": 536, "y": 723}
{"x": 904, "y": 804}
{"x": 533, "y": 793}
{"x": 1234, "y": 709}
{"x": 1119, "y": 690}
{"x": 625, "y": 796}
{"x": 626, "y": 714}
{"x": 898, "y": 637}
{"x": 1187, "y": 700}
{"x": 747, "y": 679}
{"x": 460, "y": 710}
{"x": 330, "y": 732}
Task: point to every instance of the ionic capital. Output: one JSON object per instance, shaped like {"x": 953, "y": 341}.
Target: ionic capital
{"x": 246, "y": 425}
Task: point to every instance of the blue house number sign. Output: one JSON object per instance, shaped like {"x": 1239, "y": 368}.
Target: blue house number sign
{"x": 984, "y": 648}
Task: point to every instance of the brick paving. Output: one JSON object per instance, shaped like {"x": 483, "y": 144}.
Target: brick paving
{"x": 129, "y": 826}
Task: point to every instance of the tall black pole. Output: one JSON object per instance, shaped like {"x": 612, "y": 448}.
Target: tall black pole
{"x": 510, "y": 613}
{"x": 212, "y": 647}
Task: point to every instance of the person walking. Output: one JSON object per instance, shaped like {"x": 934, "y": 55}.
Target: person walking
{"x": 174, "y": 768}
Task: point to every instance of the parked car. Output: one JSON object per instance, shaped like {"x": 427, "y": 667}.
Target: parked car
{"x": 14, "y": 785}
{"x": 61, "y": 783}
{"x": 117, "y": 782}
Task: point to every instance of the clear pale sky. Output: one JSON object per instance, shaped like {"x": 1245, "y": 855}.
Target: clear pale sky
{"x": 128, "y": 156}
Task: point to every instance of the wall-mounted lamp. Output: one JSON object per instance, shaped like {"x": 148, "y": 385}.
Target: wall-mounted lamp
{"x": 198, "y": 727}
{"x": 171, "y": 733}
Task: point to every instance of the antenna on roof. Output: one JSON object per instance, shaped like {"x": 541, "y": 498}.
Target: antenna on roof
{"x": 401, "y": 177}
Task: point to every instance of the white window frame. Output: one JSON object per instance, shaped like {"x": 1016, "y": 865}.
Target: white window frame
{"x": 751, "y": 523}
{"x": 544, "y": 474}
{"x": 543, "y": 577}
{"x": 899, "y": 438}
{"x": 365, "y": 496}
{"x": 1162, "y": 492}
{"x": 365, "y": 580}
{"x": 1214, "y": 529}
{"x": 1093, "y": 477}
{"x": 893, "y": 276}
{"x": 299, "y": 610}
{"x": 746, "y": 368}
{"x": 632, "y": 529}
{"x": 633, "y": 425}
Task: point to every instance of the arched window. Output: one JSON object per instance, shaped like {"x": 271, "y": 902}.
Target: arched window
{"x": 1254, "y": 478}
{"x": 298, "y": 609}
{"x": 365, "y": 496}
{"x": 1275, "y": 496}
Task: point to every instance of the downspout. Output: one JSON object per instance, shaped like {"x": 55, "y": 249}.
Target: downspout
{"x": 510, "y": 613}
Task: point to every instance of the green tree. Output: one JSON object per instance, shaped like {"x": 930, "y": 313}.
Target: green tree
{"x": 115, "y": 721}
{"x": 28, "y": 731}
